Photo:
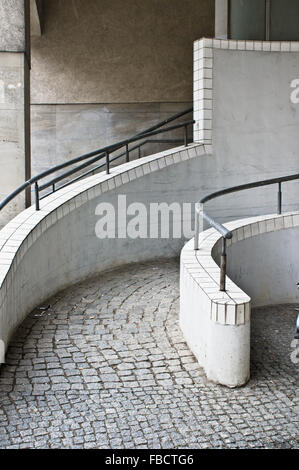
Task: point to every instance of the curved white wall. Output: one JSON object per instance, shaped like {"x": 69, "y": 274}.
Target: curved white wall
{"x": 263, "y": 260}
{"x": 267, "y": 267}
{"x": 43, "y": 252}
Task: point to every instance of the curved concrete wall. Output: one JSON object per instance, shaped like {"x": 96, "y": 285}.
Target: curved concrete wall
{"x": 263, "y": 260}
{"x": 266, "y": 264}
{"x": 43, "y": 252}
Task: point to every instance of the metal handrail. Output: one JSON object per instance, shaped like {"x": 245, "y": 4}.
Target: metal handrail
{"x": 93, "y": 157}
{"x": 201, "y": 215}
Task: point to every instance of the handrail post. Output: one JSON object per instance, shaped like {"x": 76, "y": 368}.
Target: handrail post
{"x": 107, "y": 163}
{"x": 223, "y": 266}
{"x": 127, "y": 153}
{"x": 279, "y": 202}
{"x": 186, "y": 135}
{"x": 139, "y": 152}
{"x": 37, "y": 207}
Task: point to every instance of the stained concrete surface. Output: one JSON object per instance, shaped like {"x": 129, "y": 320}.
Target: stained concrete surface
{"x": 106, "y": 366}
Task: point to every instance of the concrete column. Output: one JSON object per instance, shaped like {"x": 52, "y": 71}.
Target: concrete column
{"x": 14, "y": 102}
{"x": 221, "y": 19}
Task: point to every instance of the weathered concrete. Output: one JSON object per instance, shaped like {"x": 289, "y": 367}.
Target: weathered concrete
{"x": 14, "y": 102}
{"x": 12, "y": 129}
{"x": 254, "y": 121}
{"x": 243, "y": 106}
{"x": 107, "y": 367}
{"x": 111, "y": 51}
{"x": 12, "y": 26}
{"x": 221, "y": 19}
{"x": 62, "y": 132}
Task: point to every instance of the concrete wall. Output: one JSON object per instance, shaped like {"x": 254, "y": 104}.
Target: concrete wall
{"x": 12, "y": 129}
{"x": 267, "y": 267}
{"x": 14, "y": 101}
{"x": 243, "y": 107}
{"x": 263, "y": 260}
{"x": 129, "y": 63}
{"x": 111, "y": 51}
{"x": 61, "y": 132}
{"x": 58, "y": 245}
{"x": 12, "y": 26}
{"x": 255, "y": 124}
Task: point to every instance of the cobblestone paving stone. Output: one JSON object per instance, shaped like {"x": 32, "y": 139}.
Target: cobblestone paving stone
{"x": 107, "y": 367}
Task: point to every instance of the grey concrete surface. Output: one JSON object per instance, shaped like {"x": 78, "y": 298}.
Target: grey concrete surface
{"x": 13, "y": 86}
{"x": 12, "y": 26}
{"x": 71, "y": 227}
{"x": 266, "y": 266}
{"x": 62, "y": 132}
{"x": 104, "y": 51}
{"x": 221, "y": 19}
{"x": 254, "y": 121}
{"x": 107, "y": 367}
{"x": 14, "y": 101}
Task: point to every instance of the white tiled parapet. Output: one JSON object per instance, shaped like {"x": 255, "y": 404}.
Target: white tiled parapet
{"x": 204, "y": 71}
{"x": 29, "y": 231}
{"x": 216, "y": 325}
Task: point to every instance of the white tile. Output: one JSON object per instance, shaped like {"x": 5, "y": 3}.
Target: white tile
{"x": 279, "y": 223}
{"x": 207, "y": 42}
{"x": 230, "y": 315}
{"x": 255, "y": 229}
{"x": 296, "y": 220}
{"x": 240, "y": 314}
{"x": 247, "y": 312}
{"x": 266, "y": 46}
{"x": 249, "y": 45}
{"x": 217, "y": 43}
{"x": 275, "y": 46}
{"x": 206, "y": 62}
{"x": 258, "y": 46}
{"x": 270, "y": 225}
{"x": 224, "y": 44}
{"x": 285, "y": 46}
{"x": 241, "y": 45}
{"x": 221, "y": 314}
{"x": 206, "y": 52}
{"x": 288, "y": 221}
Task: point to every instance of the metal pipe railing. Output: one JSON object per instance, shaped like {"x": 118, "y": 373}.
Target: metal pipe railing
{"x": 93, "y": 157}
{"x": 201, "y": 215}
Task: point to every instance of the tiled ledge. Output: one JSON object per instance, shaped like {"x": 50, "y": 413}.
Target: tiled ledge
{"x": 216, "y": 325}
{"x": 203, "y": 76}
{"x": 233, "y": 306}
{"x": 22, "y": 232}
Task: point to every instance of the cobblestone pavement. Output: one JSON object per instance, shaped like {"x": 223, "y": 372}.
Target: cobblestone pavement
{"x": 107, "y": 367}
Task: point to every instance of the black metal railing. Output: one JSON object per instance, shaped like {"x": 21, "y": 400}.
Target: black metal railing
{"x": 105, "y": 155}
{"x": 201, "y": 215}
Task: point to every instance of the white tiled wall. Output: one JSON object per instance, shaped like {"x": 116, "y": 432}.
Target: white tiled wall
{"x": 203, "y": 76}
{"x": 216, "y": 325}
